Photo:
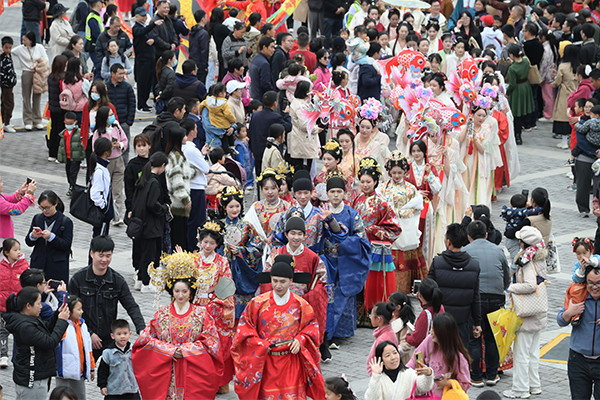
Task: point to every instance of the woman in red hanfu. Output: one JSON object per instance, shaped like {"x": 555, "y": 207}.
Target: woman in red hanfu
{"x": 275, "y": 347}
{"x": 176, "y": 355}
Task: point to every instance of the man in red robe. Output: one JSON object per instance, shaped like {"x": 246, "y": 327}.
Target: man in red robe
{"x": 275, "y": 348}
{"x": 313, "y": 279}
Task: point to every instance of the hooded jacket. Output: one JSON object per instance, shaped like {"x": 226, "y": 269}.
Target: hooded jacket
{"x": 219, "y": 112}
{"x": 493, "y": 37}
{"x": 188, "y": 87}
{"x": 199, "y": 44}
{"x": 9, "y": 278}
{"x": 457, "y": 275}
{"x": 132, "y": 174}
{"x": 148, "y": 207}
{"x": 35, "y": 341}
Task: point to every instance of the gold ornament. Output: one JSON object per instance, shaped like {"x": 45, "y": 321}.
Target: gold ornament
{"x": 211, "y": 226}
{"x": 230, "y": 191}
{"x": 335, "y": 174}
{"x": 396, "y": 155}
{"x": 172, "y": 267}
{"x": 331, "y": 145}
{"x": 269, "y": 172}
{"x": 284, "y": 168}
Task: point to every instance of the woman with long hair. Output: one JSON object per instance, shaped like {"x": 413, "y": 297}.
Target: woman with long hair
{"x": 400, "y": 43}
{"x": 548, "y": 70}
{"x": 108, "y": 127}
{"x": 57, "y": 115}
{"x": 114, "y": 55}
{"x": 219, "y": 33}
{"x": 566, "y": 83}
{"x": 51, "y": 256}
{"x": 466, "y": 26}
{"x": 76, "y": 44}
{"x": 322, "y": 71}
{"x": 147, "y": 206}
{"x": 391, "y": 379}
{"x": 370, "y": 141}
{"x": 443, "y": 349}
{"x": 178, "y": 175}
{"x": 31, "y": 57}
{"x": 430, "y": 298}
{"x": 165, "y": 78}
{"x": 252, "y": 34}
{"x": 303, "y": 146}
{"x": 75, "y": 82}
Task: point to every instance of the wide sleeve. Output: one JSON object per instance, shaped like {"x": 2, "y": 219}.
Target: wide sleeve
{"x": 208, "y": 341}
{"x": 387, "y": 228}
{"x": 251, "y": 245}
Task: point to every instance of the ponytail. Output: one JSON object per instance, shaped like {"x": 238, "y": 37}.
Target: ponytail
{"x": 400, "y": 299}
{"x": 431, "y": 294}
{"x": 16, "y": 302}
{"x": 51, "y": 197}
{"x": 385, "y": 311}
{"x": 101, "y": 146}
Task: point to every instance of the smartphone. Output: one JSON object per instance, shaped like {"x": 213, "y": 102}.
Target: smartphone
{"x": 54, "y": 284}
{"x": 115, "y": 140}
{"x": 525, "y": 192}
{"x": 416, "y": 286}
{"x": 438, "y": 378}
{"x": 419, "y": 357}
{"x": 28, "y": 181}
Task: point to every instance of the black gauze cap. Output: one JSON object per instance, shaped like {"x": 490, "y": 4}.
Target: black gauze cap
{"x": 296, "y": 223}
{"x": 336, "y": 183}
{"x": 282, "y": 270}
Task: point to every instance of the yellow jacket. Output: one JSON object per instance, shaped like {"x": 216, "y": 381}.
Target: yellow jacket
{"x": 219, "y": 113}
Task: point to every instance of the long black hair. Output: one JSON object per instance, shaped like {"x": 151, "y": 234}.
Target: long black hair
{"x": 156, "y": 160}
{"x": 51, "y": 197}
{"x": 73, "y": 74}
{"x": 432, "y": 294}
{"x": 16, "y": 302}
{"x": 400, "y": 299}
{"x": 320, "y": 55}
{"x": 176, "y": 135}
{"x": 101, "y": 146}
{"x": 540, "y": 196}
{"x": 422, "y": 146}
{"x": 571, "y": 55}
{"x": 340, "y": 386}
{"x": 102, "y": 119}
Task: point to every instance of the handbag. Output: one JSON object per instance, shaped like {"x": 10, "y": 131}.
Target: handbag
{"x": 528, "y": 305}
{"x": 455, "y": 392}
{"x": 83, "y": 208}
{"x": 533, "y": 75}
{"x": 413, "y": 394}
{"x": 135, "y": 228}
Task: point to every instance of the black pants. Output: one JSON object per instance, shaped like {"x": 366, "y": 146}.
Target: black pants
{"x": 106, "y": 342}
{"x": 72, "y": 170}
{"x": 126, "y": 396}
{"x": 584, "y": 376}
{"x": 518, "y": 124}
{"x": 145, "y": 75}
{"x": 196, "y": 218}
{"x": 136, "y": 254}
{"x": 465, "y": 331}
{"x": 298, "y": 164}
{"x": 492, "y": 360}
{"x": 202, "y": 73}
{"x": 178, "y": 232}
{"x": 58, "y": 125}
{"x": 257, "y": 170}
{"x": 8, "y": 105}
{"x": 150, "y": 250}
{"x": 583, "y": 179}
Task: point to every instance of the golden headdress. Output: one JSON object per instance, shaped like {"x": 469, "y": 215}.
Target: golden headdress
{"x": 397, "y": 159}
{"x": 284, "y": 169}
{"x": 269, "y": 173}
{"x": 369, "y": 166}
{"x": 230, "y": 192}
{"x": 172, "y": 268}
{"x": 334, "y": 148}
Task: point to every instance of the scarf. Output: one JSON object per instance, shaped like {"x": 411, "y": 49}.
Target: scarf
{"x": 531, "y": 251}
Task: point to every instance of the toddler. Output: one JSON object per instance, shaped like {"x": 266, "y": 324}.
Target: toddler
{"x": 217, "y": 118}
{"x": 115, "y": 373}
{"x": 12, "y": 265}
{"x": 577, "y": 291}
{"x": 8, "y": 80}
{"x": 289, "y": 83}
{"x": 517, "y": 211}
{"x": 74, "y": 359}
{"x": 71, "y": 150}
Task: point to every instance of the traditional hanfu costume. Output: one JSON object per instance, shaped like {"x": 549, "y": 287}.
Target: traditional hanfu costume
{"x": 502, "y": 175}
{"x": 407, "y": 202}
{"x": 314, "y": 228}
{"x": 347, "y": 255}
{"x": 382, "y": 228}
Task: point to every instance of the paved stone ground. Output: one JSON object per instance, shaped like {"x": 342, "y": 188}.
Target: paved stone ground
{"x": 24, "y": 155}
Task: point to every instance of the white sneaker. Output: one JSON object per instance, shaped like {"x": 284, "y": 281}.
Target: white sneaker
{"x": 545, "y": 120}
{"x": 29, "y": 127}
{"x": 137, "y": 285}
{"x": 9, "y": 129}
{"x": 535, "y": 391}
{"x": 562, "y": 145}
{"x": 118, "y": 223}
{"x": 51, "y": 159}
{"x": 39, "y": 127}
{"x": 148, "y": 289}
{"x": 4, "y": 362}
{"x": 513, "y": 395}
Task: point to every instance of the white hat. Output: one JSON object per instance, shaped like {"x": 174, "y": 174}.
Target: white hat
{"x": 233, "y": 85}
{"x": 529, "y": 235}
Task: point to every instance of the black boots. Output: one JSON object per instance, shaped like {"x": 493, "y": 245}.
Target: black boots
{"x": 518, "y": 139}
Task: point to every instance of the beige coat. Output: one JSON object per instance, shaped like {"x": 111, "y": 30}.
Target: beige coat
{"x": 301, "y": 12}
{"x": 272, "y": 158}
{"x": 40, "y": 77}
{"x": 526, "y": 284}
{"x": 299, "y": 145}
{"x": 566, "y": 82}
{"x": 60, "y": 33}
{"x": 543, "y": 225}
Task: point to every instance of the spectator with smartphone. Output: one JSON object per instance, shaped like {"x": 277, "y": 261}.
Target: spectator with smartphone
{"x": 14, "y": 204}
{"x": 51, "y": 236}
{"x": 101, "y": 288}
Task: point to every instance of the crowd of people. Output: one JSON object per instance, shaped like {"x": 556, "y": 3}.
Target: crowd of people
{"x": 257, "y": 287}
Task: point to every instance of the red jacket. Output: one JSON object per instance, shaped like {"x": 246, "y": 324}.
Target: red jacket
{"x": 9, "y": 278}
{"x": 584, "y": 90}
{"x": 85, "y": 123}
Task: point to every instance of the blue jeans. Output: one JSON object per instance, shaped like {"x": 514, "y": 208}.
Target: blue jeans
{"x": 33, "y": 26}
{"x": 488, "y": 304}
{"x": 583, "y": 373}
{"x": 331, "y": 27}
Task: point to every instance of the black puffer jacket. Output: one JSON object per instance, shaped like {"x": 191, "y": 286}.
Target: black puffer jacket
{"x": 457, "y": 275}
{"x": 54, "y": 95}
{"x": 148, "y": 207}
{"x": 43, "y": 337}
{"x": 32, "y": 10}
{"x": 132, "y": 174}
{"x": 122, "y": 97}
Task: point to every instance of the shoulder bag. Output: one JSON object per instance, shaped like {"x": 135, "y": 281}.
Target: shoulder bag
{"x": 83, "y": 208}
{"x": 533, "y": 76}
{"x": 528, "y": 305}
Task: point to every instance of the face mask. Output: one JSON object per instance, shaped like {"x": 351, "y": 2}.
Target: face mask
{"x": 175, "y": 63}
{"x": 95, "y": 96}
{"x": 70, "y": 127}
{"x": 112, "y": 119}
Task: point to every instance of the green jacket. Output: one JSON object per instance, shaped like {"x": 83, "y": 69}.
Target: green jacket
{"x": 520, "y": 96}
{"x": 77, "y": 150}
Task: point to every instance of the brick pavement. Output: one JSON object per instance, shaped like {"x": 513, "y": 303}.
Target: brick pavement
{"x": 24, "y": 154}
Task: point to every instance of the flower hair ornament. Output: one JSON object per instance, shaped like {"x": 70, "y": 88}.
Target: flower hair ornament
{"x": 489, "y": 90}
{"x": 369, "y": 166}
{"x": 579, "y": 241}
{"x": 370, "y": 109}
{"x": 269, "y": 172}
{"x": 397, "y": 159}
{"x": 483, "y": 102}
{"x": 231, "y": 193}
{"x": 173, "y": 267}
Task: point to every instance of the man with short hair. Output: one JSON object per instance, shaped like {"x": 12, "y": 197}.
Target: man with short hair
{"x": 260, "y": 69}
{"x": 310, "y": 58}
{"x": 516, "y": 13}
{"x": 457, "y": 275}
{"x": 586, "y": 14}
{"x": 261, "y": 122}
{"x": 122, "y": 97}
{"x": 100, "y": 289}
{"x": 494, "y": 278}
{"x": 235, "y": 46}
{"x": 166, "y": 38}
{"x": 174, "y": 113}
{"x": 187, "y": 86}
{"x": 589, "y": 53}
{"x": 115, "y": 32}
{"x": 145, "y": 61}
{"x": 595, "y": 80}
{"x": 199, "y": 44}
{"x": 285, "y": 42}
{"x": 277, "y": 340}
{"x": 583, "y": 367}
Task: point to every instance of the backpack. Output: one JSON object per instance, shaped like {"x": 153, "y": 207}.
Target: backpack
{"x": 67, "y": 100}
{"x": 74, "y": 20}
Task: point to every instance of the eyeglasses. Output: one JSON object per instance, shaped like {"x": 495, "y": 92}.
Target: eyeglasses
{"x": 593, "y": 284}
{"x": 46, "y": 208}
